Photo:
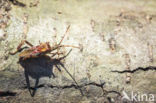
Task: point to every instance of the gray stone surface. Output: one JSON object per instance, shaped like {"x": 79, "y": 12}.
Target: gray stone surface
{"x": 118, "y": 39}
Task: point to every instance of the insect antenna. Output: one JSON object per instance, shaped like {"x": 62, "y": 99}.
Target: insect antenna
{"x": 64, "y": 35}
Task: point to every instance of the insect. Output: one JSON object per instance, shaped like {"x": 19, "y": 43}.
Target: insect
{"x": 39, "y": 50}
{"x": 34, "y": 53}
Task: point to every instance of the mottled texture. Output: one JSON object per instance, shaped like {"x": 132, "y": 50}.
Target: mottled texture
{"x": 116, "y": 35}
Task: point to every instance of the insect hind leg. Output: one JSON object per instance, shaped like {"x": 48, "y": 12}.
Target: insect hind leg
{"x": 19, "y": 47}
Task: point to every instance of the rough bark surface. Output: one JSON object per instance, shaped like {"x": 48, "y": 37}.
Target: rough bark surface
{"x": 117, "y": 56}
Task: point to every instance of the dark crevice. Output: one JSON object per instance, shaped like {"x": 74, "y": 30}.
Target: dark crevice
{"x": 7, "y": 93}
{"x": 78, "y": 87}
{"x": 96, "y": 84}
{"x": 68, "y": 86}
{"x": 137, "y": 69}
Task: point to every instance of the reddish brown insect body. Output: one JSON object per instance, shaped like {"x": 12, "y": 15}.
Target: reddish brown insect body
{"x": 42, "y": 49}
{"x": 36, "y": 51}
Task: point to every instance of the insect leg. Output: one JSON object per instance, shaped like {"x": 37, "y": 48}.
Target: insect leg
{"x": 57, "y": 53}
{"x": 72, "y": 78}
{"x": 64, "y": 35}
{"x": 63, "y": 38}
{"x": 70, "y": 46}
{"x": 61, "y": 58}
{"x": 18, "y": 48}
{"x": 28, "y": 43}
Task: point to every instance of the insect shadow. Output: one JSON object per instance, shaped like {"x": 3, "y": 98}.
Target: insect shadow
{"x": 41, "y": 66}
